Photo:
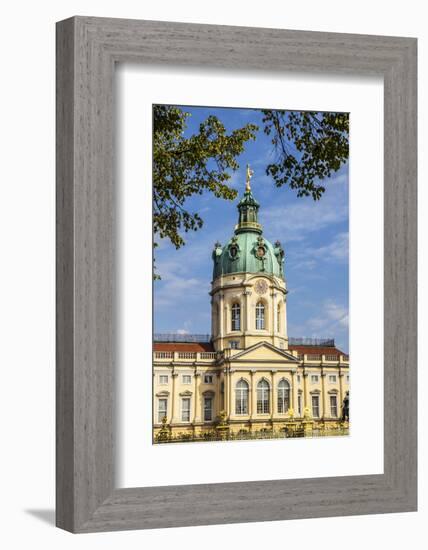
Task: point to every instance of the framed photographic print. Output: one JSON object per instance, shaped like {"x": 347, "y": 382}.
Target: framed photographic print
{"x": 236, "y": 274}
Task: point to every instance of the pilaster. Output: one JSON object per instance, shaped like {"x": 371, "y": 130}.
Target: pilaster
{"x": 197, "y": 406}
{"x": 173, "y": 399}
{"x": 324, "y": 396}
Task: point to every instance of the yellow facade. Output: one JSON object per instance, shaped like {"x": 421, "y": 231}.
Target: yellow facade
{"x": 319, "y": 385}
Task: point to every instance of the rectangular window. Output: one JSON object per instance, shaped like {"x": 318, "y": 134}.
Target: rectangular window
{"x": 208, "y": 379}
{"x": 234, "y": 344}
{"x": 298, "y": 378}
{"x": 162, "y": 409}
{"x": 186, "y": 379}
{"x": 236, "y": 317}
{"x": 163, "y": 379}
{"x": 333, "y": 406}
{"x": 332, "y": 378}
{"x": 208, "y": 409}
{"x": 260, "y": 316}
{"x": 347, "y": 377}
{"x": 299, "y": 404}
{"x": 314, "y": 378}
{"x": 315, "y": 406}
{"x": 185, "y": 409}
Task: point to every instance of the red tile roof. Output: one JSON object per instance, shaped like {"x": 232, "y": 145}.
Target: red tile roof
{"x": 183, "y": 346}
{"x": 325, "y": 350}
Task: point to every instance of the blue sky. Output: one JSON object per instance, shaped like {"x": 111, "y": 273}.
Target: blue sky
{"x": 313, "y": 234}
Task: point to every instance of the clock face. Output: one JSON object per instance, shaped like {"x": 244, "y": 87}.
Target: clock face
{"x": 261, "y": 286}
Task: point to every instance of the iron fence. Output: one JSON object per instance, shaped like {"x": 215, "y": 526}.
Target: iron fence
{"x": 214, "y": 435}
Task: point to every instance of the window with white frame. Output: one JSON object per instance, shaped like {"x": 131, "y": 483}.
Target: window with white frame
{"x": 186, "y": 379}
{"x": 208, "y": 379}
{"x": 241, "y": 397}
{"x": 263, "y": 397}
{"x": 333, "y": 406}
{"x": 299, "y": 404}
{"x": 314, "y": 378}
{"x": 260, "y": 316}
{"x": 162, "y": 408}
{"x": 283, "y": 396}
{"x": 234, "y": 344}
{"x": 236, "y": 317}
{"x": 163, "y": 379}
{"x": 315, "y": 406}
{"x": 208, "y": 409}
{"x": 185, "y": 409}
{"x": 332, "y": 378}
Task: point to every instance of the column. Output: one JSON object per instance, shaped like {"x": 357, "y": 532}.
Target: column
{"x": 245, "y": 319}
{"x": 230, "y": 393}
{"x": 273, "y": 317}
{"x": 305, "y": 390}
{"x": 221, "y": 319}
{"x": 173, "y": 419}
{"x": 196, "y": 400}
{"x": 284, "y": 317}
{"x": 324, "y": 396}
{"x": 293, "y": 397}
{"x": 226, "y": 391}
{"x": 299, "y": 413}
{"x": 217, "y": 398}
{"x": 254, "y": 395}
{"x": 250, "y": 396}
{"x": 340, "y": 407}
{"x": 272, "y": 396}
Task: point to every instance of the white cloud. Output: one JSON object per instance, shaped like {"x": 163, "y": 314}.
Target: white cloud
{"x": 293, "y": 222}
{"x": 308, "y": 258}
{"x": 179, "y": 285}
{"x": 174, "y": 290}
{"x": 333, "y": 316}
{"x": 338, "y": 249}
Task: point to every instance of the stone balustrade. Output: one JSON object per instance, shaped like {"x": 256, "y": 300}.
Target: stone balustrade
{"x": 192, "y": 356}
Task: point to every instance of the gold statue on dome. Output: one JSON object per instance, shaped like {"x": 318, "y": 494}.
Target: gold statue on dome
{"x": 249, "y": 176}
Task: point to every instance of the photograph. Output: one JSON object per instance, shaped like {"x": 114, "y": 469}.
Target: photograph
{"x": 250, "y": 274}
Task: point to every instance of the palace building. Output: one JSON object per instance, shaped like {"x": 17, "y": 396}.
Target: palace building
{"x": 248, "y": 377}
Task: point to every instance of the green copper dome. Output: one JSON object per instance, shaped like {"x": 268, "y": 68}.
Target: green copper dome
{"x": 248, "y": 251}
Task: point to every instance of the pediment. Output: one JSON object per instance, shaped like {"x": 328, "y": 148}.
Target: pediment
{"x": 263, "y": 351}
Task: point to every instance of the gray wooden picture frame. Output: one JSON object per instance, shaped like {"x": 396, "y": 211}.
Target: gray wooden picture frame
{"x": 87, "y": 51}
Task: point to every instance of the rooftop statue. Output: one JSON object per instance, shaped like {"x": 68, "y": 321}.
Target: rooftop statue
{"x": 250, "y": 174}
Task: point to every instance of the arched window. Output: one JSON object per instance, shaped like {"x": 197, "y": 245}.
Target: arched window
{"x": 278, "y": 320}
{"x": 260, "y": 316}
{"x": 241, "y": 397}
{"x": 263, "y": 404}
{"x": 283, "y": 396}
{"x": 236, "y": 317}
